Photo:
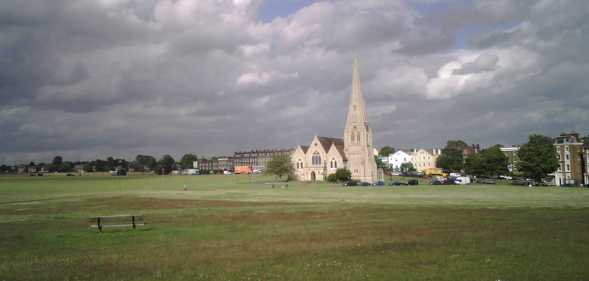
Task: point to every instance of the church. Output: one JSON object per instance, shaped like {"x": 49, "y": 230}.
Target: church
{"x": 354, "y": 151}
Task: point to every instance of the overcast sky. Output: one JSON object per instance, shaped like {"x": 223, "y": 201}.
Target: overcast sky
{"x": 94, "y": 78}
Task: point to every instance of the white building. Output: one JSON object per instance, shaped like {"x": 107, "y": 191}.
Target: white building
{"x": 394, "y": 161}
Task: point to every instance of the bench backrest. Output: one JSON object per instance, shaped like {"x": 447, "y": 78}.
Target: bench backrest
{"x": 116, "y": 221}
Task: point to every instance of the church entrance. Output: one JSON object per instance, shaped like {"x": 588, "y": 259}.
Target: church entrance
{"x": 313, "y": 177}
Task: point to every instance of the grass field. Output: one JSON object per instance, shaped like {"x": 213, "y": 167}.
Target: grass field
{"x": 240, "y": 228}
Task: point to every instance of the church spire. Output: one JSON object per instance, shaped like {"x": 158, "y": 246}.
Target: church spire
{"x": 357, "y": 134}
{"x": 357, "y": 108}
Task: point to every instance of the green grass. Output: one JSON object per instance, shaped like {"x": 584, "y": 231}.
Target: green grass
{"x": 239, "y": 228}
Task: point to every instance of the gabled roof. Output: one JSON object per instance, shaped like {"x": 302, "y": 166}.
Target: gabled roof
{"x": 304, "y": 148}
{"x": 340, "y": 149}
{"x": 326, "y": 142}
{"x": 406, "y": 151}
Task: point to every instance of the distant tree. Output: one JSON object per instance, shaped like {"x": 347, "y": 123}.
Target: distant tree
{"x": 57, "y": 160}
{"x": 4, "y": 169}
{"x": 407, "y": 167}
{"x": 166, "y": 164}
{"x": 494, "y": 161}
{"x": 279, "y": 165}
{"x": 386, "y": 151}
{"x": 379, "y": 163}
{"x": 66, "y": 167}
{"x": 187, "y": 161}
{"x": 146, "y": 161}
{"x": 456, "y": 144}
{"x": 586, "y": 140}
{"x": 488, "y": 162}
{"x": 343, "y": 174}
{"x": 452, "y": 157}
{"x": 111, "y": 163}
{"x": 88, "y": 167}
{"x": 537, "y": 158}
{"x": 101, "y": 166}
{"x": 473, "y": 166}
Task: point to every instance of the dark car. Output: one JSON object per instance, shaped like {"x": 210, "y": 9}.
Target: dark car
{"x": 486, "y": 180}
{"x": 351, "y": 183}
{"x": 413, "y": 182}
{"x": 379, "y": 183}
{"x": 365, "y": 184}
{"x": 523, "y": 182}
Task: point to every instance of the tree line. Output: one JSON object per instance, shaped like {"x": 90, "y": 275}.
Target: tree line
{"x": 142, "y": 163}
{"x": 537, "y": 159}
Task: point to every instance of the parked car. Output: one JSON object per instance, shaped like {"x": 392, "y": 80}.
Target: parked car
{"x": 438, "y": 180}
{"x": 350, "y": 183}
{"x": 462, "y": 180}
{"x": 413, "y": 182}
{"x": 484, "y": 180}
{"x": 379, "y": 183}
{"x": 520, "y": 181}
{"x": 365, "y": 184}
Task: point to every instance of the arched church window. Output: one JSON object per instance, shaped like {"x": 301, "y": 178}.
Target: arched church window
{"x": 353, "y": 137}
{"x": 358, "y": 138}
{"x": 333, "y": 163}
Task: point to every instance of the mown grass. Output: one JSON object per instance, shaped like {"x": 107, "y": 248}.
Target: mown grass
{"x": 304, "y": 232}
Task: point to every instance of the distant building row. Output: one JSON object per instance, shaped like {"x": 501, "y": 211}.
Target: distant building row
{"x": 572, "y": 156}
{"x": 421, "y": 159}
{"x": 253, "y": 159}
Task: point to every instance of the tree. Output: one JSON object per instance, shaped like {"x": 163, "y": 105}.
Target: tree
{"x": 494, "y": 161}
{"x": 386, "y": 151}
{"x": 407, "y": 167}
{"x": 379, "y": 163}
{"x": 343, "y": 174}
{"x": 187, "y": 161}
{"x": 146, "y": 161}
{"x": 57, "y": 160}
{"x": 452, "y": 157}
{"x": 279, "y": 165}
{"x": 537, "y": 158}
{"x": 166, "y": 165}
{"x": 488, "y": 162}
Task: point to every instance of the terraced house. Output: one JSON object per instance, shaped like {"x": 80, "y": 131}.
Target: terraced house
{"x": 572, "y": 157}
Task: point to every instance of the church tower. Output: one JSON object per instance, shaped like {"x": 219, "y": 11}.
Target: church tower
{"x": 358, "y": 136}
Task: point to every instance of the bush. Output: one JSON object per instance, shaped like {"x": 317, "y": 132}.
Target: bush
{"x": 332, "y": 178}
{"x": 343, "y": 175}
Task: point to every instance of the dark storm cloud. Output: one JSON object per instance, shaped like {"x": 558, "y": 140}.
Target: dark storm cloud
{"x": 89, "y": 79}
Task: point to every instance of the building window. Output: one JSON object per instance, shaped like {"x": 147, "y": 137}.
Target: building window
{"x": 333, "y": 163}
{"x": 567, "y": 157}
{"x": 568, "y": 167}
{"x": 566, "y": 148}
{"x": 316, "y": 159}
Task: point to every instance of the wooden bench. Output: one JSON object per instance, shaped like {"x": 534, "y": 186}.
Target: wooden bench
{"x": 120, "y": 221}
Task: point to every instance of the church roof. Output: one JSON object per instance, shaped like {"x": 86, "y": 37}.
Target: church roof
{"x": 305, "y": 148}
{"x": 326, "y": 142}
{"x": 338, "y": 142}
